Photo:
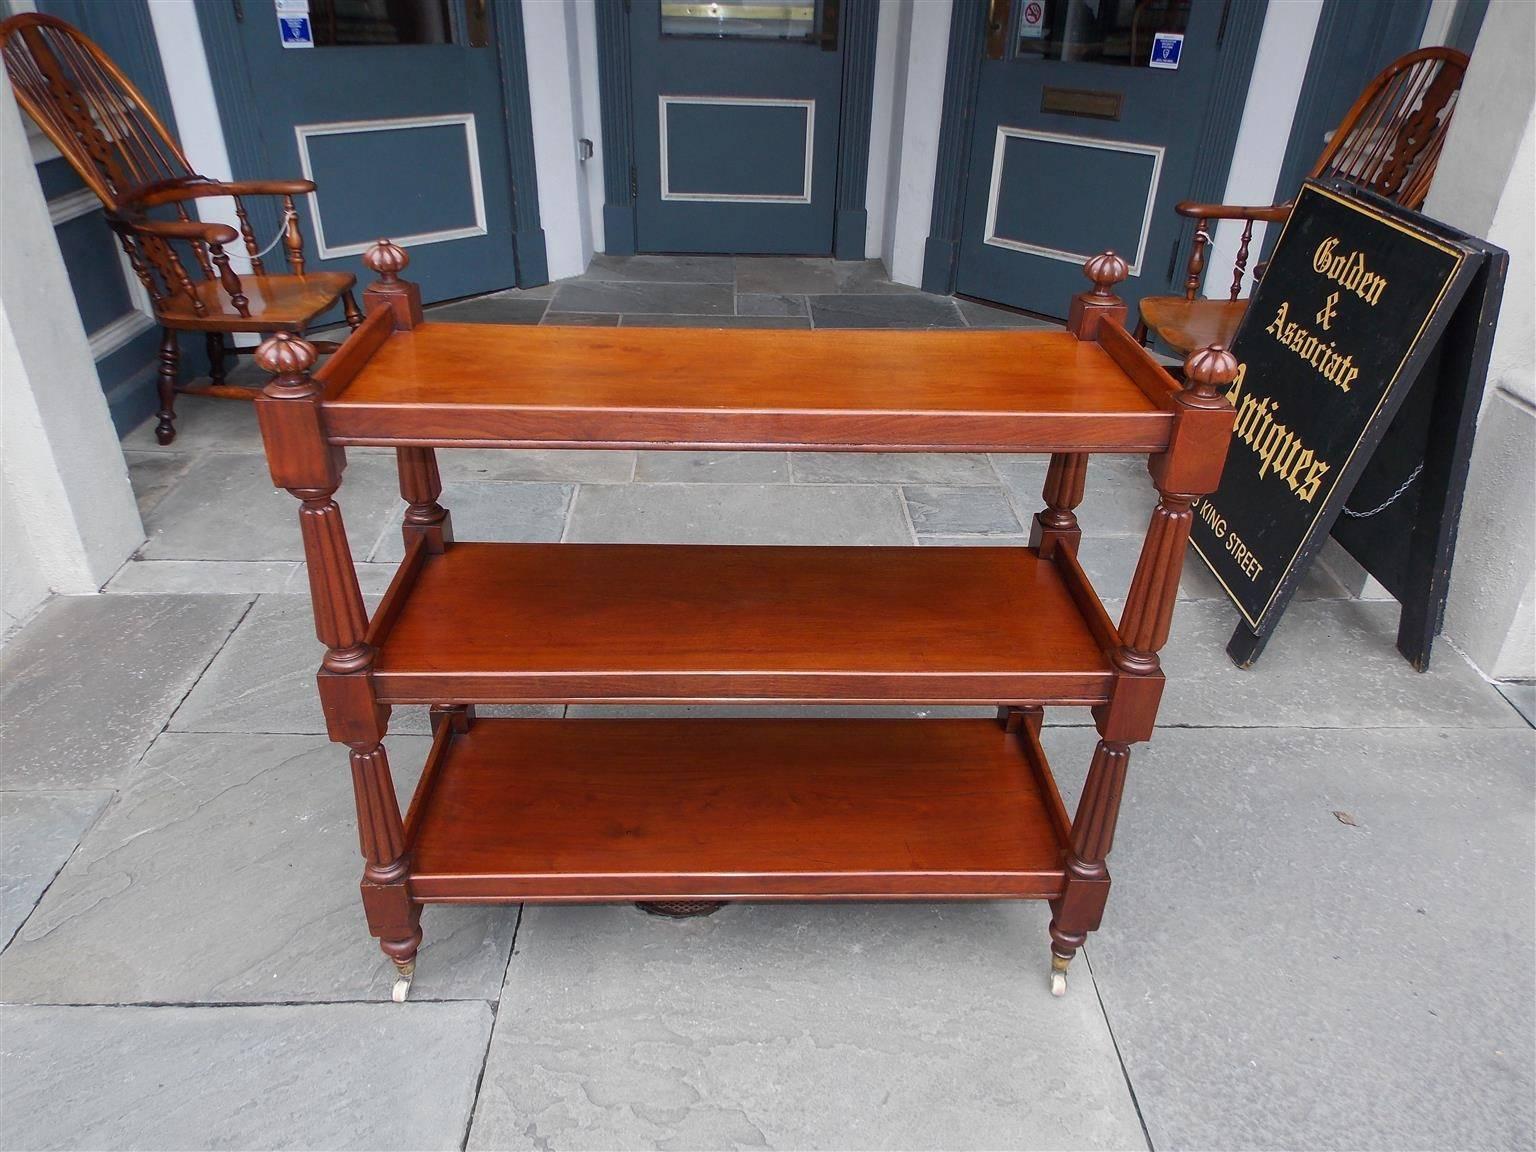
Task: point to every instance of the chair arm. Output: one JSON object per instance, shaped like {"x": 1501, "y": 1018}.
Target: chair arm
{"x": 1203, "y": 214}
{"x": 1194, "y": 211}
{"x": 206, "y": 188}
{"x": 185, "y": 230}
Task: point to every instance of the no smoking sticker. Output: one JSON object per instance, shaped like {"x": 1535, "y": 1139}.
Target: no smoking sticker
{"x": 1032, "y": 20}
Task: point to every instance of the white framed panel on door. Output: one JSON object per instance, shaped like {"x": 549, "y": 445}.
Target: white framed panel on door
{"x": 476, "y": 226}
{"x": 1153, "y": 152}
{"x": 806, "y": 164}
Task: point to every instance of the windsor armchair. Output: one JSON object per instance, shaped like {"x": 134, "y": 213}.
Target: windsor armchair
{"x": 103, "y": 127}
{"x": 1389, "y": 142}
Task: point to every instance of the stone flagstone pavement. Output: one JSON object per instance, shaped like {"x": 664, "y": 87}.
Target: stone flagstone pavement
{"x": 1321, "y": 934}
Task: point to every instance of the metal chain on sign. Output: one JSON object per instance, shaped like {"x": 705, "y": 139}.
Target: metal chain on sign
{"x": 1390, "y": 500}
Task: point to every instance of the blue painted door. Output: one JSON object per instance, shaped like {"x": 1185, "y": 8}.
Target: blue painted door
{"x": 736, "y": 119}
{"x": 1085, "y": 139}
{"x": 396, "y": 113}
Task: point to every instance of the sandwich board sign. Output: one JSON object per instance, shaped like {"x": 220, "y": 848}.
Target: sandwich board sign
{"x": 1351, "y": 316}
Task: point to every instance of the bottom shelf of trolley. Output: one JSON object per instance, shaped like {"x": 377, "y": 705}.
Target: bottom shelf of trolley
{"x": 599, "y": 810}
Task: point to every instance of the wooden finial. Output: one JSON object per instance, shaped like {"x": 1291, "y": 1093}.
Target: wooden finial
{"x": 1089, "y": 309}
{"x": 1209, "y": 371}
{"x": 1106, "y": 270}
{"x": 284, "y": 354}
{"x": 387, "y": 258}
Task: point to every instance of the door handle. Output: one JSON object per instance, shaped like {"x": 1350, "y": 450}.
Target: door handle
{"x": 827, "y": 37}
{"x": 998, "y": 12}
{"x": 478, "y": 33}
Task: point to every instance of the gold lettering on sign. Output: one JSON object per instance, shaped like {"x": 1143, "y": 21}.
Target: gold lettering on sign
{"x": 1278, "y": 448}
{"x": 1247, "y": 563}
{"x": 1348, "y": 272}
{"x": 1325, "y": 358}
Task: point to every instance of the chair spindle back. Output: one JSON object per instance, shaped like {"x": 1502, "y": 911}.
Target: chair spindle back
{"x": 106, "y": 130}
{"x": 93, "y": 114}
{"x": 1390, "y": 140}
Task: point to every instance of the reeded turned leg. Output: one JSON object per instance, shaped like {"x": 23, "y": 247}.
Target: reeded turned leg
{"x": 393, "y": 916}
{"x": 1056, "y": 523}
{"x": 301, "y": 462}
{"x": 170, "y": 359}
{"x": 1078, "y": 912}
{"x": 420, "y": 486}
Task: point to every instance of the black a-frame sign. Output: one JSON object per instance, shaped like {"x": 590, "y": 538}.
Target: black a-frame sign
{"x": 1362, "y": 360}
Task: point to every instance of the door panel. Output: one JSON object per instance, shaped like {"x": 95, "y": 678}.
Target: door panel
{"x": 736, "y": 122}
{"x": 1044, "y": 199}
{"x": 396, "y": 115}
{"x": 397, "y": 203}
{"x": 1082, "y": 144}
{"x": 776, "y": 169}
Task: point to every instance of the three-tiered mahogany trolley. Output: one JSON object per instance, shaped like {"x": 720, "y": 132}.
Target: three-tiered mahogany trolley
{"x": 673, "y": 811}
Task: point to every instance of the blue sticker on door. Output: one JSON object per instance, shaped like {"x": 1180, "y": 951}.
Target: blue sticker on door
{"x": 293, "y": 23}
{"x": 1167, "y": 47}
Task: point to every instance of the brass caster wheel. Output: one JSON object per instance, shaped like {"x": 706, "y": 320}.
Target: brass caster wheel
{"x": 402, "y": 987}
{"x": 1059, "y": 974}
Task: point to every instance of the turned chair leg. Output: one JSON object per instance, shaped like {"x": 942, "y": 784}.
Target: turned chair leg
{"x": 216, "y": 357}
{"x": 349, "y": 307}
{"x": 170, "y": 358}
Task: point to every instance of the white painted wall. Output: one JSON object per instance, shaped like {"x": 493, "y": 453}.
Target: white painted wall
{"x": 917, "y": 103}
{"x": 555, "y": 89}
{"x": 1486, "y": 185}
{"x": 1437, "y": 23}
{"x": 1278, "y": 71}
{"x": 591, "y": 118}
{"x": 67, "y": 511}
{"x": 881, "y": 140}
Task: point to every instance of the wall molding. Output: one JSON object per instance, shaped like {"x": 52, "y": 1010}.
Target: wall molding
{"x": 999, "y": 152}
{"x": 808, "y": 163}
{"x": 110, "y": 337}
{"x": 303, "y": 133}
{"x": 73, "y": 205}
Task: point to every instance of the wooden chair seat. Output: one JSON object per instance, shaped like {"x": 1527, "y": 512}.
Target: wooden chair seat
{"x": 275, "y": 302}
{"x": 1191, "y": 324}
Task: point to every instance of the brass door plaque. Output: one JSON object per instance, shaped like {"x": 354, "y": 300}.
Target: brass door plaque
{"x": 1082, "y": 102}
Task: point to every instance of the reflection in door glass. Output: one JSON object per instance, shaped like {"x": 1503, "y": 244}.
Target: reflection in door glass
{"x": 1099, "y": 31}
{"x": 348, "y": 23}
{"x": 738, "y": 19}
